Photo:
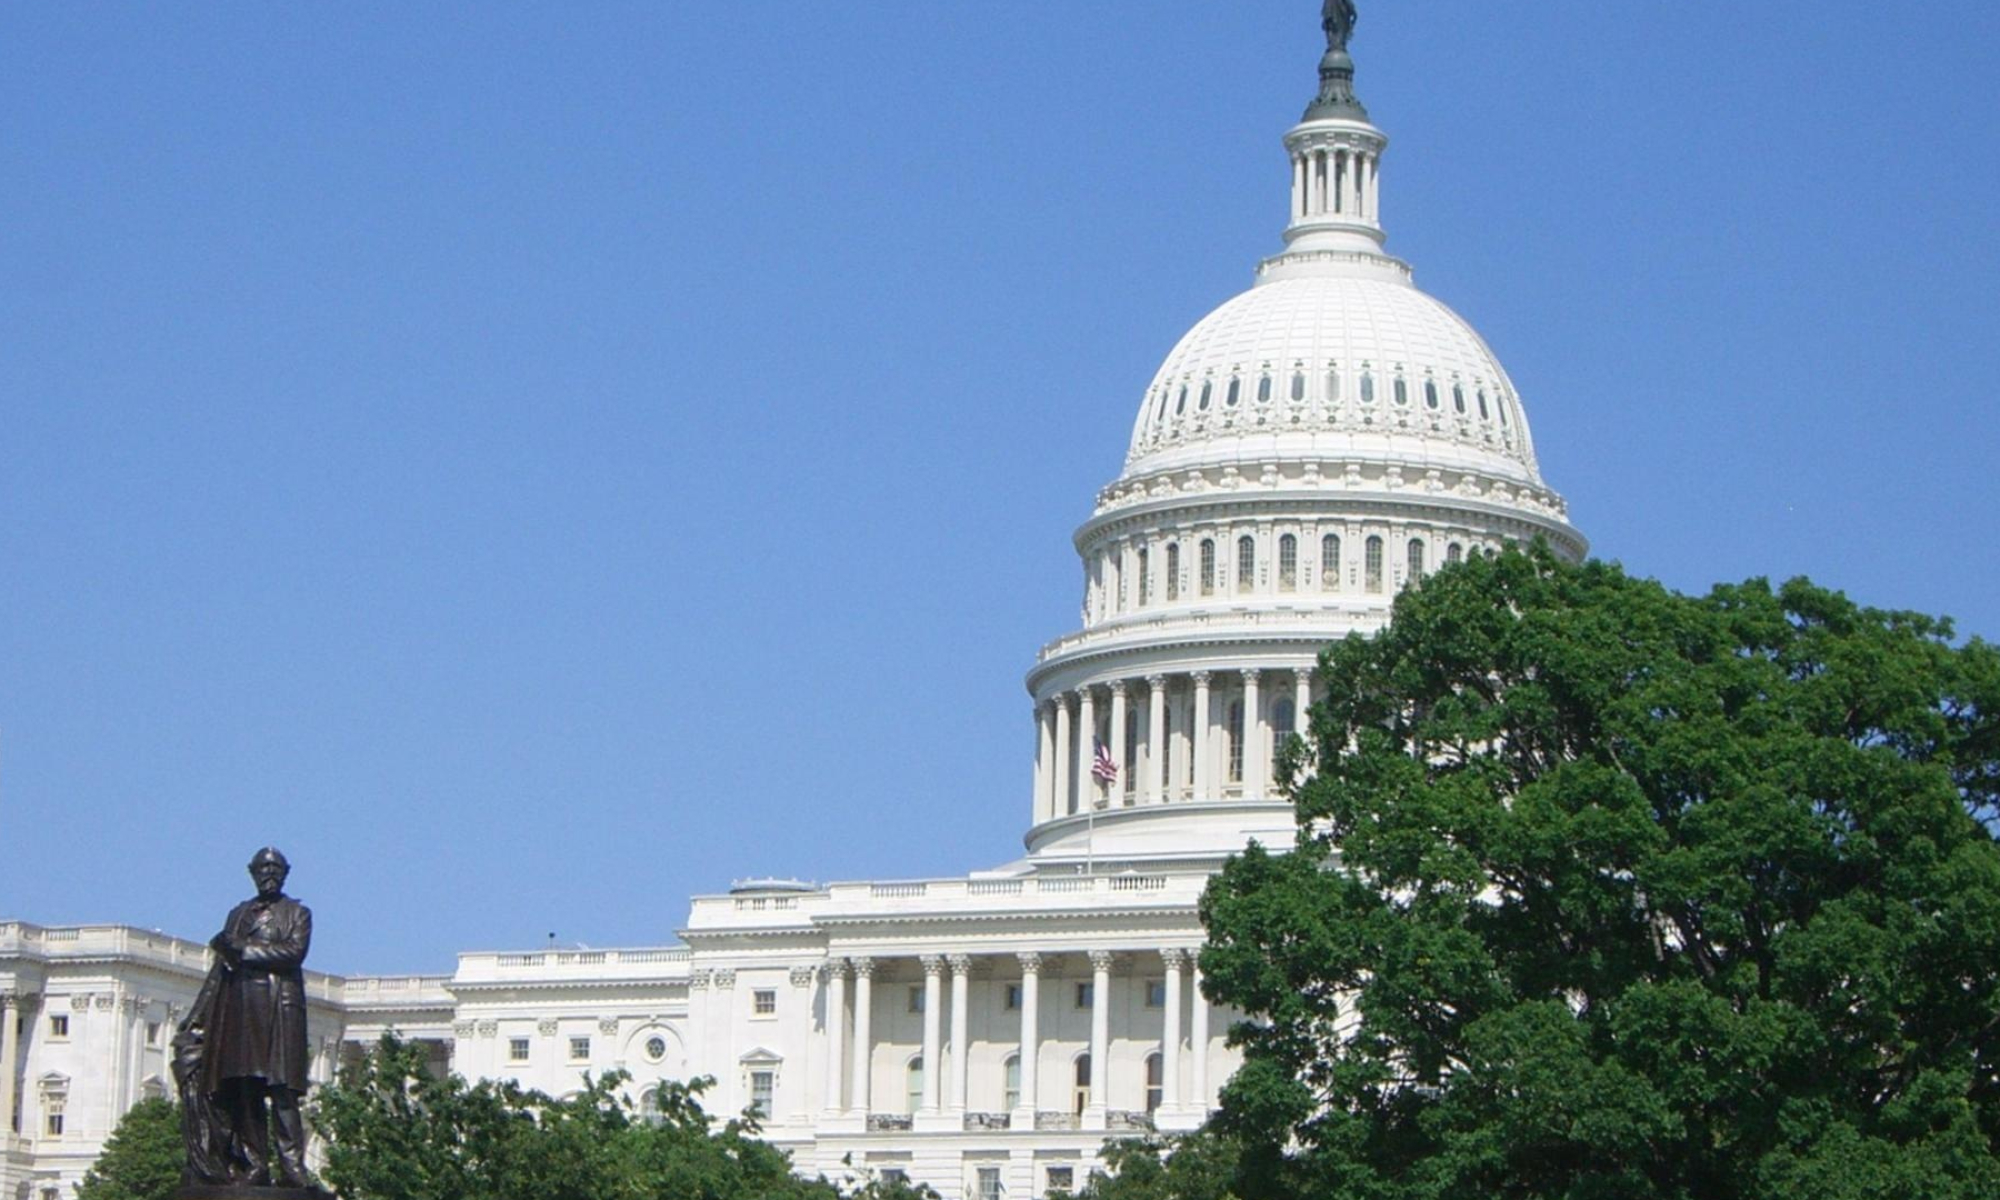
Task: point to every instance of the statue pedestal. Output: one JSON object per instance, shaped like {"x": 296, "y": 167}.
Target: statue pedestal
{"x": 246, "y": 1191}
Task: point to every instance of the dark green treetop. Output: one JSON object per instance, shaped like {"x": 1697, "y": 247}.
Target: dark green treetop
{"x": 1605, "y": 891}
{"x": 142, "y": 1158}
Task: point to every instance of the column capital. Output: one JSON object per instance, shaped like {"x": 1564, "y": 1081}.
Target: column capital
{"x": 1156, "y": 682}
{"x": 1100, "y": 960}
{"x": 1085, "y": 692}
{"x": 961, "y": 964}
{"x": 1304, "y": 674}
{"x": 1031, "y": 960}
{"x": 864, "y": 967}
{"x": 837, "y": 968}
{"x": 933, "y": 963}
{"x": 1175, "y": 958}
{"x": 1250, "y": 674}
{"x": 1201, "y": 678}
{"x": 1118, "y": 688}
{"x": 10, "y": 1000}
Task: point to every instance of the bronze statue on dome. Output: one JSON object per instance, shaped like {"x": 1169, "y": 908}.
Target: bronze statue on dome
{"x": 1337, "y": 17}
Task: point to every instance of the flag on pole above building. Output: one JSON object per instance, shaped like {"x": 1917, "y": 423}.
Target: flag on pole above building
{"x": 1103, "y": 769}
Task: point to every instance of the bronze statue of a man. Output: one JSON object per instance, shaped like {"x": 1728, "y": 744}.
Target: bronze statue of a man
{"x": 240, "y": 1056}
{"x": 1337, "y": 17}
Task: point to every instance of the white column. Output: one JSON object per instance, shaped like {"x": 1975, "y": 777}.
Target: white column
{"x": 135, "y": 1024}
{"x": 1302, "y": 695}
{"x": 933, "y": 1039}
{"x": 836, "y": 1025}
{"x": 1198, "y": 737}
{"x": 1198, "y": 1048}
{"x": 11, "y": 1007}
{"x": 1086, "y": 748}
{"x": 1063, "y": 760}
{"x": 864, "y": 1040}
{"x": 961, "y": 1051}
{"x": 1031, "y": 1038}
{"x": 1156, "y": 736}
{"x": 1117, "y": 786}
{"x": 1299, "y": 170}
{"x": 1254, "y": 772}
{"x": 1100, "y": 1036}
{"x": 1044, "y": 765}
{"x": 1170, "y": 1028}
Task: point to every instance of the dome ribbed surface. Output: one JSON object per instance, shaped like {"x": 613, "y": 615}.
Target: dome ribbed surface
{"x": 1323, "y": 354}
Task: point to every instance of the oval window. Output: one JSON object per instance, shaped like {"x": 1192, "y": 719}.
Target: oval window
{"x": 1207, "y": 388}
{"x": 1235, "y": 391}
{"x": 1180, "y": 406}
{"x": 1402, "y": 391}
{"x": 1367, "y": 388}
{"x": 1430, "y": 394}
{"x": 1458, "y": 399}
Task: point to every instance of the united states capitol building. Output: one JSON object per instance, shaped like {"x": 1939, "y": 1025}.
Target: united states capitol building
{"x": 1313, "y": 445}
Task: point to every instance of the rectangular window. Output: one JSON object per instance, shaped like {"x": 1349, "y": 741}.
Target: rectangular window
{"x": 764, "y": 1002}
{"x": 1084, "y": 993}
{"x": 989, "y": 1184}
{"x": 916, "y": 998}
{"x": 760, "y": 1093}
{"x": 1156, "y": 993}
{"x": 517, "y": 1049}
{"x": 579, "y": 1048}
{"x": 152, "y": 1033}
{"x": 52, "y": 1117}
{"x": 1011, "y": 997}
{"x": 58, "y": 1025}
{"x": 1061, "y": 1179}
{"x": 894, "y": 1175}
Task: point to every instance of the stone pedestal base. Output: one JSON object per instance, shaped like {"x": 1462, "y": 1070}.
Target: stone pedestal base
{"x": 245, "y": 1191}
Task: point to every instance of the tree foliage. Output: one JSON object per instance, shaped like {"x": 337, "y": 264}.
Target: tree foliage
{"x": 394, "y": 1132}
{"x": 1605, "y": 891}
{"x": 142, "y": 1158}
{"x": 1197, "y": 1166}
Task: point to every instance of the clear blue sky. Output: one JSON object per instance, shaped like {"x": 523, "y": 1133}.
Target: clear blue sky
{"x": 537, "y": 462}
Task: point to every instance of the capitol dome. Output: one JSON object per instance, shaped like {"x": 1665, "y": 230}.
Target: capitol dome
{"x": 1310, "y": 448}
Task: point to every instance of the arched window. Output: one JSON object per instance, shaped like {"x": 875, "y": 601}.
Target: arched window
{"x": 1371, "y": 565}
{"x": 1156, "y": 1090}
{"x": 1298, "y": 386}
{"x": 1329, "y": 563}
{"x": 1235, "y": 391}
{"x": 649, "y": 1106}
{"x": 1284, "y": 719}
{"x": 1180, "y": 406}
{"x": 1416, "y": 559}
{"x": 1208, "y": 566}
{"x": 1367, "y": 387}
{"x": 1288, "y": 563}
{"x": 1207, "y": 386}
{"x": 1264, "y": 388}
{"x": 1246, "y": 563}
{"x": 1454, "y": 553}
{"x": 1483, "y": 414}
{"x": 1010, "y": 1097}
{"x": 1145, "y": 577}
{"x": 1080, "y": 1091}
{"x": 1402, "y": 391}
{"x": 1332, "y": 383}
{"x": 1458, "y": 398}
{"x": 1235, "y": 735}
{"x": 1173, "y": 571}
{"x": 913, "y": 1090}
{"x": 1430, "y": 394}
{"x": 1500, "y": 402}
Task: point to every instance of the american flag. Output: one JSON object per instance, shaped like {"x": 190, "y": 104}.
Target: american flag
{"x": 1103, "y": 769}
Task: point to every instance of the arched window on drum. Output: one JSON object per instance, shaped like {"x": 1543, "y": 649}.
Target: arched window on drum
{"x": 1329, "y": 563}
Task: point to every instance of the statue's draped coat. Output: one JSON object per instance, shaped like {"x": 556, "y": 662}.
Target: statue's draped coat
{"x": 258, "y": 1027}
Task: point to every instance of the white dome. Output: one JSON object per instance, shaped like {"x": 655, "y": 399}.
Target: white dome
{"x": 1333, "y": 359}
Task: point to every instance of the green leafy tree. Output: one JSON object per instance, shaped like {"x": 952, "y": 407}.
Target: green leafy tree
{"x": 141, "y": 1159}
{"x": 395, "y": 1132}
{"x": 1605, "y": 891}
{"x": 1198, "y": 1166}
